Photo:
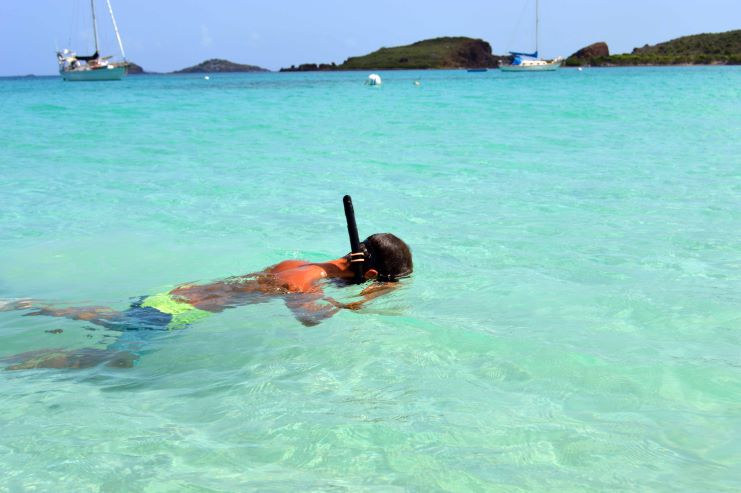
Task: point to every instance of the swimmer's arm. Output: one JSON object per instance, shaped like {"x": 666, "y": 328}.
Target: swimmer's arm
{"x": 308, "y": 311}
{"x": 370, "y": 293}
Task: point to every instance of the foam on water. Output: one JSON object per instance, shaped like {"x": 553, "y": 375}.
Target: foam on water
{"x": 573, "y": 323}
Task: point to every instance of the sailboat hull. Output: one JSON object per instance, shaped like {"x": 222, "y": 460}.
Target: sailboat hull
{"x": 106, "y": 73}
{"x": 546, "y": 67}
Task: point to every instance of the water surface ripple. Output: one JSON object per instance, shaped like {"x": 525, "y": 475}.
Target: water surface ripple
{"x": 573, "y": 323}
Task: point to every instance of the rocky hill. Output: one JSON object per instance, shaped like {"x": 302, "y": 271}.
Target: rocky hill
{"x": 216, "y": 65}
{"x": 699, "y": 49}
{"x": 438, "y": 53}
{"x": 587, "y": 54}
{"x": 135, "y": 69}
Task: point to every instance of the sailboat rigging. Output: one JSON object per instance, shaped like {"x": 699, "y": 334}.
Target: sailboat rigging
{"x": 529, "y": 62}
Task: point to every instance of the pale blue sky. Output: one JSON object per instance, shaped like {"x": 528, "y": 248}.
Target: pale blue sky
{"x": 165, "y": 35}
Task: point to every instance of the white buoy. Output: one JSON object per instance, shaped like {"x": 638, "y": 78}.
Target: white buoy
{"x": 580, "y": 69}
{"x": 207, "y": 77}
{"x": 373, "y": 80}
{"x": 417, "y": 83}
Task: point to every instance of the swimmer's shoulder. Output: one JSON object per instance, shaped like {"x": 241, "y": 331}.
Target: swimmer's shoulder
{"x": 286, "y": 265}
{"x": 297, "y": 276}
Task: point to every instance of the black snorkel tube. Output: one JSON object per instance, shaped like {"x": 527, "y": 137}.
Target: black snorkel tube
{"x": 356, "y": 255}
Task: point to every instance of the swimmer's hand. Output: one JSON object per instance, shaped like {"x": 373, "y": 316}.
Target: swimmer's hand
{"x": 355, "y": 305}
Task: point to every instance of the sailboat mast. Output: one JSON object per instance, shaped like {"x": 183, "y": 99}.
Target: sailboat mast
{"x": 95, "y": 25}
{"x": 115, "y": 28}
{"x": 537, "y": 24}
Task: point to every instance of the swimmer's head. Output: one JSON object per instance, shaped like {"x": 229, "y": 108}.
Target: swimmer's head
{"x": 386, "y": 257}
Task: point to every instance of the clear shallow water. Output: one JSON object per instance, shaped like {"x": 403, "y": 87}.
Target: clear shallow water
{"x": 573, "y": 324}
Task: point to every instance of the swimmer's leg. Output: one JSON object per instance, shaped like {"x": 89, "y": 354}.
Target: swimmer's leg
{"x": 98, "y": 315}
{"x": 124, "y": 353}
{"x": 137, "y": 325}
{"x": 74, "y": 358}
{"x": 70, "y": 358}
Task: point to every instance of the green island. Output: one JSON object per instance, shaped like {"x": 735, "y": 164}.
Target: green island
{"x": 438, "y": 53}
{"x": 699, "y": 49}
{"x": 217, "y": 65}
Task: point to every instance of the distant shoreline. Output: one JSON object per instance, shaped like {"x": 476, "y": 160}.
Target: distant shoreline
{"x": 460, "y": 52}
{"x": 275, "y": 72}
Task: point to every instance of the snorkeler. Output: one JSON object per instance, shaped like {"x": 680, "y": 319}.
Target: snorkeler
{"x": 383, "y": 257}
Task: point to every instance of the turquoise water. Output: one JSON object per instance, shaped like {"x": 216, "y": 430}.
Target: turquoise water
{"x": 573, "y": 324}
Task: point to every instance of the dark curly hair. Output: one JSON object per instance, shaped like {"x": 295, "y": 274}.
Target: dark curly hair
{"x": 389, "y": 255}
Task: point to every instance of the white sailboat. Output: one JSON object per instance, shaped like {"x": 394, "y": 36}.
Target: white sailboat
{"x": 529, "y": 62}
{"x": 74, "y": 67}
